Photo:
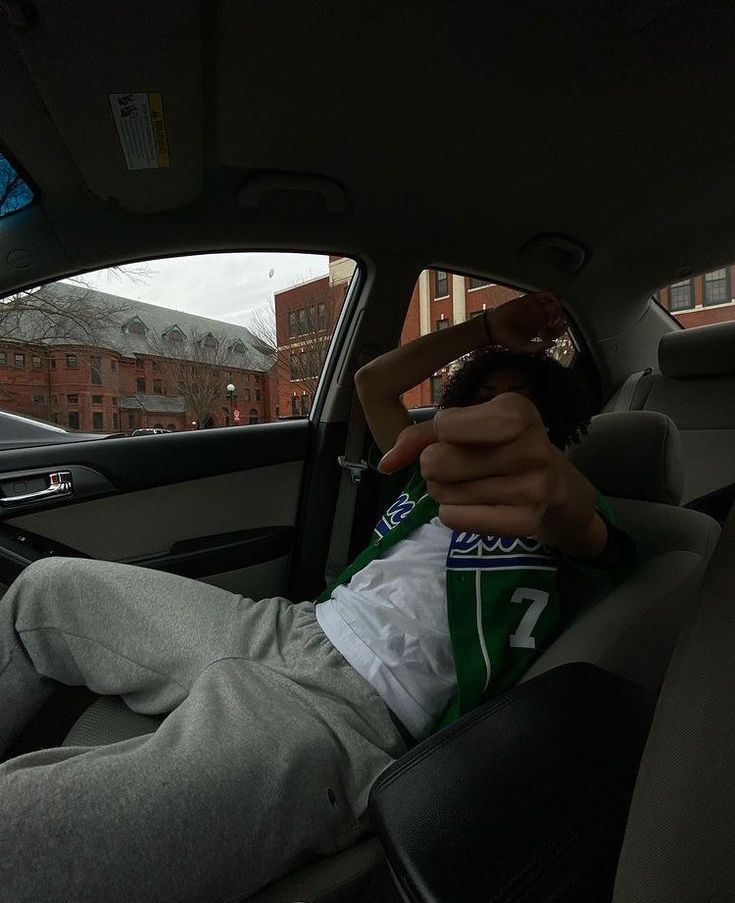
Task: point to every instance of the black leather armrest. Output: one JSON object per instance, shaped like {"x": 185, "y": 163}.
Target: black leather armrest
{"x": 525, "y": 799}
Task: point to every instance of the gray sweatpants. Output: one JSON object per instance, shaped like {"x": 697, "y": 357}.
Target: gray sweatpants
{"x": 265, "y": 761}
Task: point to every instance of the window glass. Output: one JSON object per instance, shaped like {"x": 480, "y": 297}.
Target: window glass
{"x": 470, "y": 297}
{"x": 701, "y": 299}
{"x": 159, "y": 342}
{"x": 15, "y": 192}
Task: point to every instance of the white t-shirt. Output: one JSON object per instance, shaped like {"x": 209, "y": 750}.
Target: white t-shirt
{"x": 390, "y": 623}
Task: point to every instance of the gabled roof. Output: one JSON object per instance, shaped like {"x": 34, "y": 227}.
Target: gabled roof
{"x": 109, "y": 315}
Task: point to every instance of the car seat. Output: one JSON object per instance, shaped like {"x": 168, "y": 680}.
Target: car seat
{"x": 635, "y": 460}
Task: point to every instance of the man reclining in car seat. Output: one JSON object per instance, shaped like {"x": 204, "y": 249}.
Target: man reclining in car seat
{"x": 283, "y": 715}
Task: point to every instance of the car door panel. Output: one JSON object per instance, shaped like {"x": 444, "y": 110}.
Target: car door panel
{"x": 219, "y": 506}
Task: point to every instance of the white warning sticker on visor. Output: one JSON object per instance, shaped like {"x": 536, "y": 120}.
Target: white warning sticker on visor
{"x": 141, "y": 129}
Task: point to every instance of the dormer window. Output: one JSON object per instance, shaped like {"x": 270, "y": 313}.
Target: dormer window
{"x": 135, "y": 327}
{"x": 209, "y": 341}
{"x": 175, "y": 335}
{"x": 238, "y": 347}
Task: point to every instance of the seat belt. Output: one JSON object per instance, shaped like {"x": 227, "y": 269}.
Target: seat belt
{"x": 627, "y": 391}
{"x": 353, "y": 465}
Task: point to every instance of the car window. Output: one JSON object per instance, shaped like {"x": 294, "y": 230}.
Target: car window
{"x": 701, "y": 299}
{"x": 441, "y": 299}
{"x": 15, "y": 191}
{"x": 185, "y": 343}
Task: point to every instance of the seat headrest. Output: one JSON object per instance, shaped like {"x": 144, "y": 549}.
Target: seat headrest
{"x": 701, "y": 351}
{"x": 633, "y": 455}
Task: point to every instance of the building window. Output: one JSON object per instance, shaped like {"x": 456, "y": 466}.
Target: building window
{"x": 292, "y": 323}
{"x": 72, "y": 399}
{"x": 96, "y": 399}
{"x": 20, "y": 360}
{"x": 95, "y": 366}
{"x": 246, "y": 393}
{"x": 97, "y": 420}
{"x": 157, "y": 390}
{"x": 36, "y": 362}
{"x": 39, "y": 399}
{"x": 477, "y": 282}
{"x": 131, "y": 421}
{"x": 156, "y": 367}
{"x": 136, "y": 327}
{"x": 442, "y": 324}
{"x": 294, "y": 406}
{"x": 238, "y": 347}
{"x": 113, "y": 366}
{"x": 304, "y": 404}
{"x": 53, "y": 363}
{"x": 73, "y": 420}
{"x": 681, "y": 295}
{"x": 71, "y": 362}
{"x": 257, "y": 394}
{"x": 321, "y": 316}
{"x": 303, "y": 322}
{"x": 114, "y": 401}
{"x": 716, "y": 288}
{"x": 115, "y": 421}
{"x": 294, "y": 365}
{"x": 209, "y": 341}
{"x": 436, "y": 389}
{"x": 140, "y": 385}
{"x": 441, "y": 283}
{"x": 139, "y": 362}
{"x": 253, "y": 416}
{"x": 3, "y": 359}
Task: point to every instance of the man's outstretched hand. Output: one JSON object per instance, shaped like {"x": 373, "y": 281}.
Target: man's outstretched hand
{"x": 493, "y": 470}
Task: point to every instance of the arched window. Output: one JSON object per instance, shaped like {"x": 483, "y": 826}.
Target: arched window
{"x": 253, "y": 417}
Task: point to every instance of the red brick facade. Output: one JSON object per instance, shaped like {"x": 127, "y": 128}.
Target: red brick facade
{"x": 61, "y": 386}
{"x": 709, "y": 300}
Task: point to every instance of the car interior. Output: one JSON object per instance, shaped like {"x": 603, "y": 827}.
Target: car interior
{"x": 580, "y": 147}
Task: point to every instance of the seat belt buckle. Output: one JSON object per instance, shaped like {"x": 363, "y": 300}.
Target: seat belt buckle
{"x": 355, "y": 468}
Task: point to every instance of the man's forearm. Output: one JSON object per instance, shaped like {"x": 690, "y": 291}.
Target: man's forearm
{"x": 571, "y": 523}
{"x": 399, "y": 370}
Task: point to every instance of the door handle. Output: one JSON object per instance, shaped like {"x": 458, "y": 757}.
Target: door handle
{"x": 60, "y": 484}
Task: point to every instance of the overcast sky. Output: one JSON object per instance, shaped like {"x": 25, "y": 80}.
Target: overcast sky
{"x": 222, "y": 286}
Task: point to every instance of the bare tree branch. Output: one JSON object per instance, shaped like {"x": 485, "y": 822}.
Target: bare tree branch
{"x": 197, "y": 368}
{"x": 305, "y": 333}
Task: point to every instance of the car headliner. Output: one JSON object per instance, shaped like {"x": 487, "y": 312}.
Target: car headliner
{"x": 455, "y": 132}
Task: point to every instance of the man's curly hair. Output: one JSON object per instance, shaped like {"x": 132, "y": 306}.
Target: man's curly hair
{"x": 562, "y": 397}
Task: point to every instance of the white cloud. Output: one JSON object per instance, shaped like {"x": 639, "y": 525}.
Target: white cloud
{"x": 225, "y": 286}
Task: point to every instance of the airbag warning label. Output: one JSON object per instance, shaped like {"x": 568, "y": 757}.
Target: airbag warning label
{"x": 141, "y": 129}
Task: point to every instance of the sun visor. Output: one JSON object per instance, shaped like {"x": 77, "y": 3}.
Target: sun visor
{"x": 125, "y": 93}
{"x": 701, "y": 351}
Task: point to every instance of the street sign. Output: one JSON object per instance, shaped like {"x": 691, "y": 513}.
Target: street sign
{"x": 236, "y": 415}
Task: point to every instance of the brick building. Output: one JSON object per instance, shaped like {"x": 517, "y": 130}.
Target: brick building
{"x": 123, "y": 365}
{"x": 441, "y": 299}
{"x": 305, "y": 319}
{"x": 700, "y": 300}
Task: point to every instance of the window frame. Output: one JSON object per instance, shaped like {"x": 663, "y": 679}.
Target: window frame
{"x": 437, "y": 293}
{"x": 680, "y": 283}
{"x": 728, "y": 289}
